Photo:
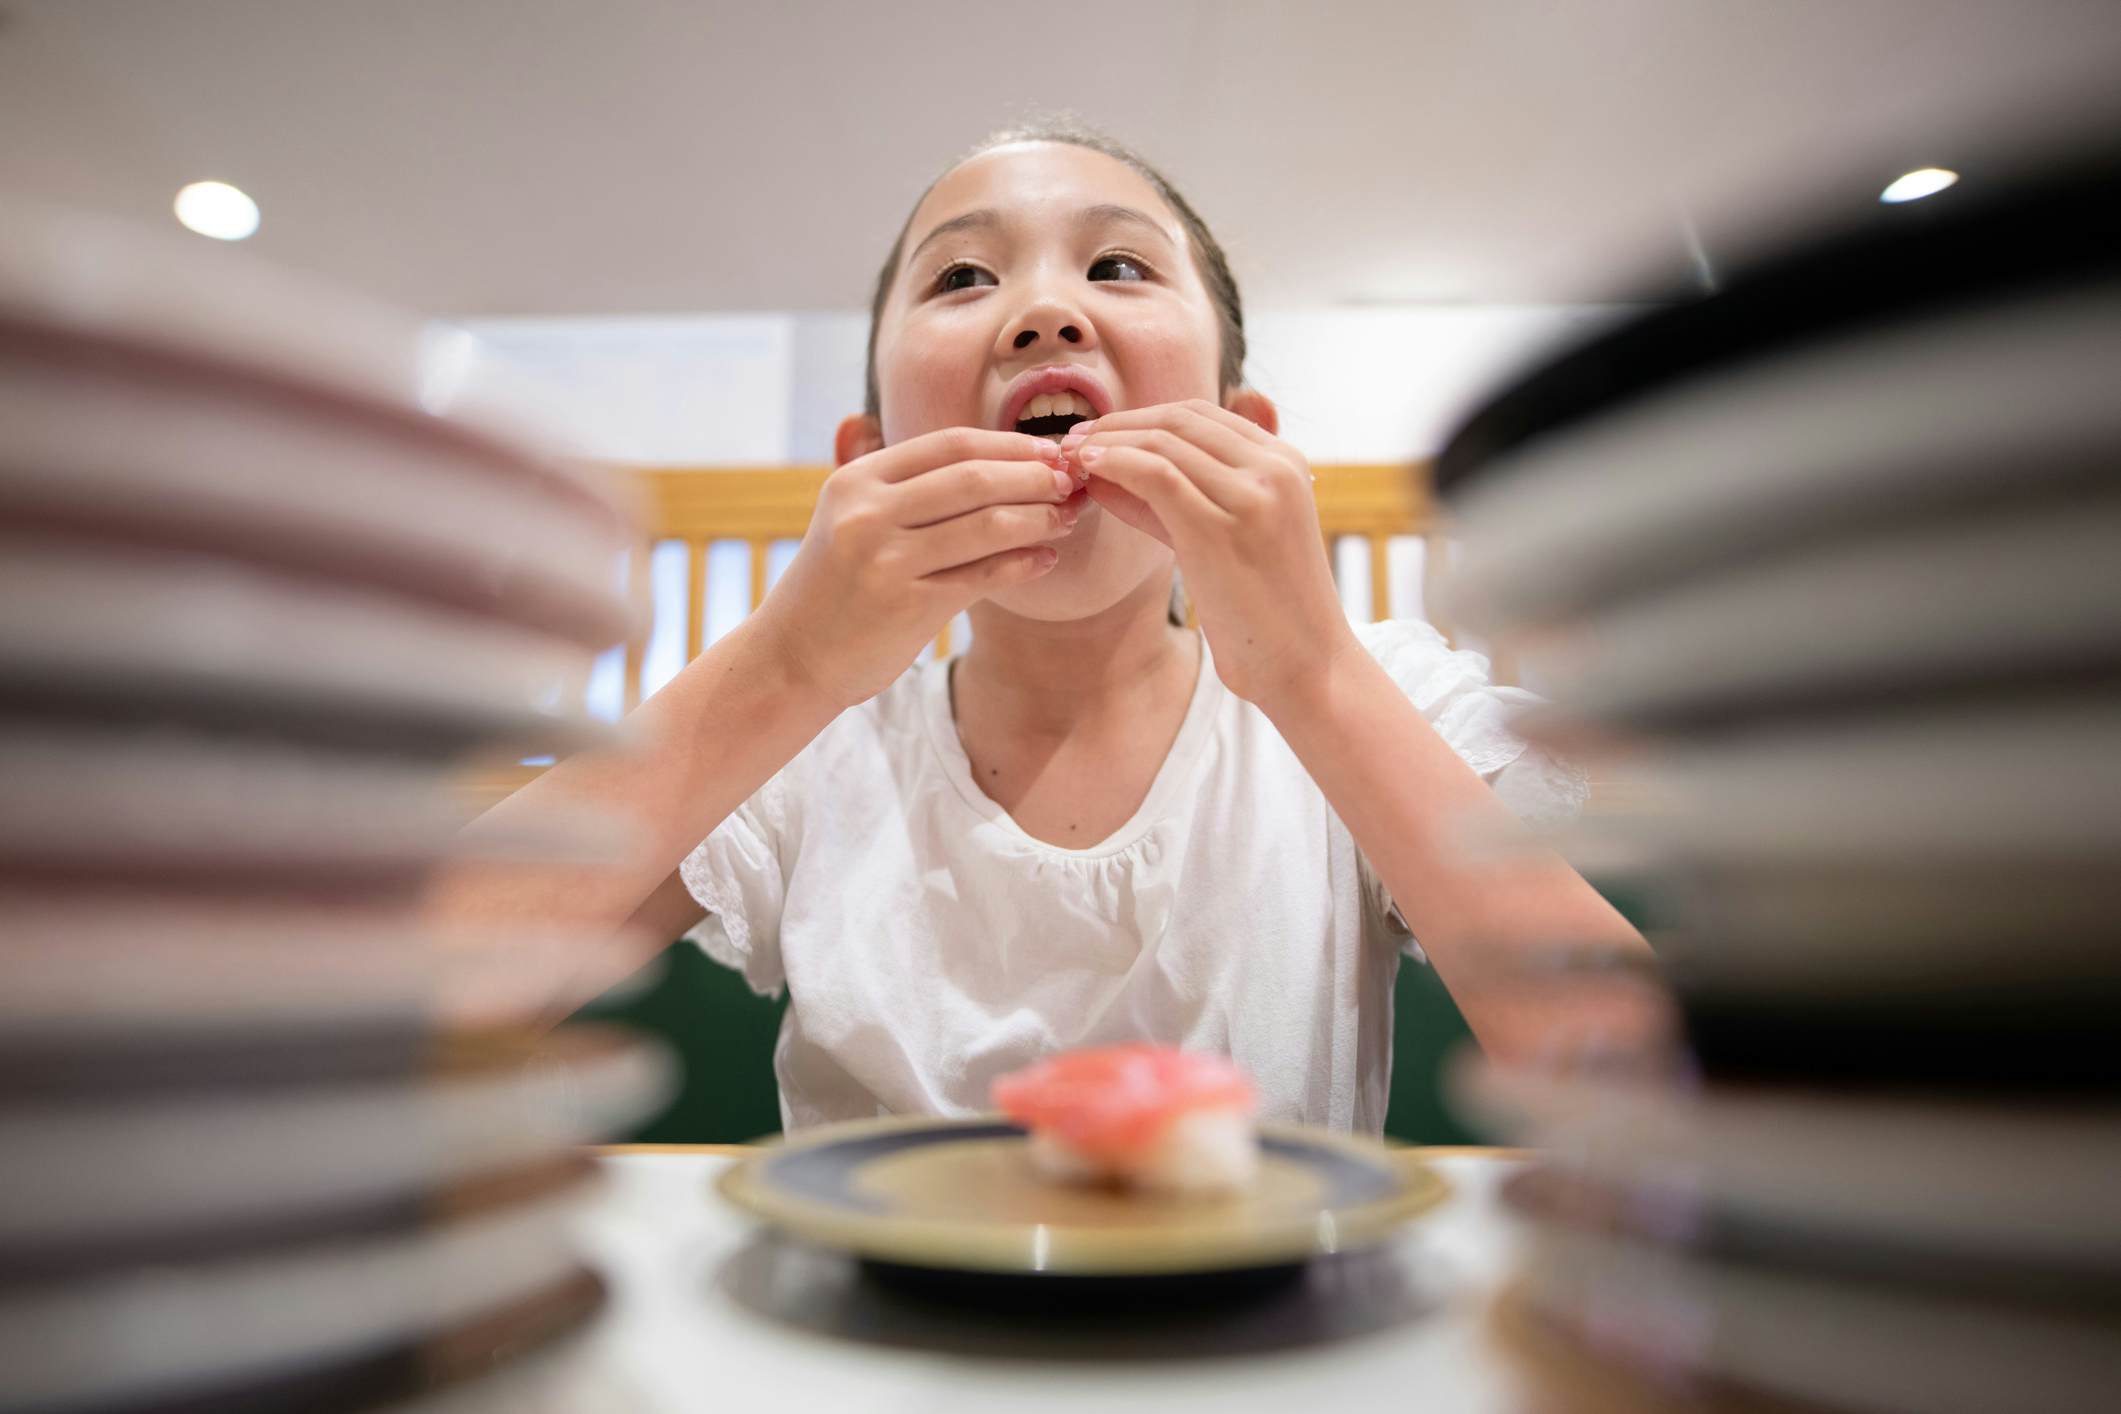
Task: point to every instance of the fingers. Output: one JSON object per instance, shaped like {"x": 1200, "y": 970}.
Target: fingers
{"x": 1215, "y": 430}
{"x": 983, "y": 577}
{"x": 969, "y": 486}
{"x": 1169, "y": 494}
{"x": 1127, "y": 508}
{"x": 1229, "y": 487}
{"x": 1243, "y": 426}
{"x": 966, "y": 539}
{"x": 950, "y": 445}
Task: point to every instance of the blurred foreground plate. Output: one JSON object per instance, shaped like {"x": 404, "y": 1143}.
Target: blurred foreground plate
{"x": 160, "y": 458}
{"x": 1997, "y": 1182}
{"x": 132, "y": 989}
{"x": 213, "y": 809}
{"x": 1976, "y": 605}
{"x": 120, "y": 1337}
{"x": 1830, "y": 1341}
{"x": 961, "y": 1195}
{"x": 92, "y": 289}
{"x": 1994, "y": 408}
{"x": 99, "y": 627}
{"x": 90, "y": 1170}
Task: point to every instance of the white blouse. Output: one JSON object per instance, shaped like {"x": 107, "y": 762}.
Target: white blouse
{"x": 929, "y": 945}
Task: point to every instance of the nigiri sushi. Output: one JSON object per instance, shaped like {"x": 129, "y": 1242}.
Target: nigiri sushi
{"x": 1146, "y": 1116}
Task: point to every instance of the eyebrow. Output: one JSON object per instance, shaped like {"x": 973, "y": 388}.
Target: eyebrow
{"x": 1107, "y": 213}
{"x": 987, "y": 219}
{"x": 982, "y": 219}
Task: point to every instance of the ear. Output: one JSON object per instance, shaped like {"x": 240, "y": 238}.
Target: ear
{"x": 857, "y": 436}
{"x": 1255, "y": 407}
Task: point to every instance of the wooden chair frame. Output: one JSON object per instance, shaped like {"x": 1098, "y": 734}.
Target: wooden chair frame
{"x": 701, "y": 506}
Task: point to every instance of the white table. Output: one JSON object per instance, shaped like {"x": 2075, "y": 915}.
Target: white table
{"x": 710, "y": 1315}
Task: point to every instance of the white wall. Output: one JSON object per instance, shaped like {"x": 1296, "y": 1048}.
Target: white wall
{"x": 1383, "y": 384}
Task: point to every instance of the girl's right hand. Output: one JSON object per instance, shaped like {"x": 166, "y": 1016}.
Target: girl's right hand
{"x": 905, "y": 538}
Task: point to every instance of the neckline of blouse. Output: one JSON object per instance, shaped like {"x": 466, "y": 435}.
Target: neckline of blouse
{"x": 1170, "y": 776}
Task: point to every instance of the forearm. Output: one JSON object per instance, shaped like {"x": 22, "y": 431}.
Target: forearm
{"x": 688, "y": 757}
{"x": 1477, "y": 892}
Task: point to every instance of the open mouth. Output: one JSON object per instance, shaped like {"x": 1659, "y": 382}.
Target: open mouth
{"x": 1052, "y": 414}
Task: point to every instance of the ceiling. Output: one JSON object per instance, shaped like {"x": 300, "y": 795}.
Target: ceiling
{"x": 570, "y": 156}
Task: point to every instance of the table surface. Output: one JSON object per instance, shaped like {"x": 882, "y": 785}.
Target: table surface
{"x": 709, "y": 1313}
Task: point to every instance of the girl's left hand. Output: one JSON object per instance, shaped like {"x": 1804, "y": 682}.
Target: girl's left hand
{"x": 1235, "y": 503}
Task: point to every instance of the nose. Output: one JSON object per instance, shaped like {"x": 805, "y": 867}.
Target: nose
{"x": 1030, "y": 334}
{"x": 1047, "y": 321}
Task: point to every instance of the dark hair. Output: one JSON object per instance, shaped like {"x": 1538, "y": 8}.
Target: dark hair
{"x": 1208, "y": 255}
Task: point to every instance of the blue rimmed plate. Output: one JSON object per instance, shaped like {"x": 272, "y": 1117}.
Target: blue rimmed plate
{"x": 962, "y": 1195}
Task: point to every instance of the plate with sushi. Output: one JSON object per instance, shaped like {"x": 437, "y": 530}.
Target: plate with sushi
{"x": 1125, "y": 1161}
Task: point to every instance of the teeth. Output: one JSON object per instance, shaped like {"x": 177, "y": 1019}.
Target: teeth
{"x": 1061, "y": 404}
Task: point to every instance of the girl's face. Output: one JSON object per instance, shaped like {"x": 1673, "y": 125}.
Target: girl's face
{"x": 1044, "y": 265}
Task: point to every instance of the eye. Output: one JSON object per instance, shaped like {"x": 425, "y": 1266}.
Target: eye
{"x": 1118, "y": 267}
{"x": 962, "y": 277}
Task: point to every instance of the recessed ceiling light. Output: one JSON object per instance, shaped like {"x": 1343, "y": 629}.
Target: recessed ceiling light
{"x": 217, "y": 209}
{"x": 1915, "y": 185}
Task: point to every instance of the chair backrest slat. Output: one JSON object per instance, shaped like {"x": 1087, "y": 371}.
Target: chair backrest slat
{"x": 640, "y": 592}
{"x": 759, "y": 546}
{"x": 696, "y": 551}
{"x": 1435, "y": 551}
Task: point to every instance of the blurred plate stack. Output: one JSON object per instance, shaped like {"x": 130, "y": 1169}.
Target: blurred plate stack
{"x": 1822, "y": 574}
{"x": 273, "y": 565}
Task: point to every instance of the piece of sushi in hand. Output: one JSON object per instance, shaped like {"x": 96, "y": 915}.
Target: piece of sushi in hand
{"x": 1146, "y": 1116}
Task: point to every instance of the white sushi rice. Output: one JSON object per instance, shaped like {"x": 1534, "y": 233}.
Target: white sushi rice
{"x": 1200, "y": 1153}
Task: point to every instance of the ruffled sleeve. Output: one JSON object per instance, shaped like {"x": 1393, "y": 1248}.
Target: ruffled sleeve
{"x": 1451, "y": 689}
{"x": 737, "y": 875}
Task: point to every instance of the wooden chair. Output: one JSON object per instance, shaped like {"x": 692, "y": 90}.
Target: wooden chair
{"x": 700, "y": 507}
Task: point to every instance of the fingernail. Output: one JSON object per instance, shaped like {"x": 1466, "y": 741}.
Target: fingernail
{"x": 1088, "y": 456}
{"x": 1048, "y": 557}
{"x": 1068, "y": 515}
{"x": 1063, "y": 482}
{"x": 1048, "y": 450}
{"x": 1083, "y": 429}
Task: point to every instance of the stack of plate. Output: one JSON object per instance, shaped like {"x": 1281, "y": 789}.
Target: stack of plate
{"x": 1823, "y": 574}
{"x": 272, "y": 562}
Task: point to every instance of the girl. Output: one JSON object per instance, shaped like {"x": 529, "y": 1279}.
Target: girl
{"x": 1095, "y": 825}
